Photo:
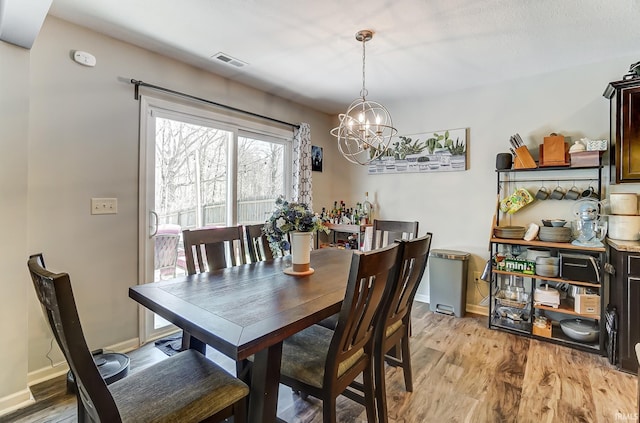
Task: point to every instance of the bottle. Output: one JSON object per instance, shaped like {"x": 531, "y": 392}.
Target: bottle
{"x": 367, "y": 209}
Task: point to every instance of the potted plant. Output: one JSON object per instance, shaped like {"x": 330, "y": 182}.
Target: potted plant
{"x": 290, "y": 228}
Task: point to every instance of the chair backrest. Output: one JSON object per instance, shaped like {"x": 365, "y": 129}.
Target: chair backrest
{"x": 56, "y": 297}
{"x": 412, "y": 263}
{"x": 213, "y": 248}
{"x": 257, "y": 243}
{"x": 166, "y": 251}
{"x": 386, "y": 232}
{"x": 369, "y": 277}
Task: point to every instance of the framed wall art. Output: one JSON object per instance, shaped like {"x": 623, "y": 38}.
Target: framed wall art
{"x": 438, "y": 151}
{"x": 316, "y": 158}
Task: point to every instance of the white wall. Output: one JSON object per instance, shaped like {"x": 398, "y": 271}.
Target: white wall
{"x": 458, "y": 206}
{"x": 82, "y": 130}
{"x": 74, "y": 129}
{"x": 14, "y": 113}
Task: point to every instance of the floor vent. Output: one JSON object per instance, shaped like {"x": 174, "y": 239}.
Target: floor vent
{"x": 225, "y": 58}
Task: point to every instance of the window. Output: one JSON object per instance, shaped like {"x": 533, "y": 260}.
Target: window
{"x": 213, "y": 173}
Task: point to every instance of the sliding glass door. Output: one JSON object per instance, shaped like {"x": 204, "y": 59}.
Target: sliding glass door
{"x": 198, "y": 171}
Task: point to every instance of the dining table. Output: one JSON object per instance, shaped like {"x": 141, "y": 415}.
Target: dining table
{"x": 249, "y": 310}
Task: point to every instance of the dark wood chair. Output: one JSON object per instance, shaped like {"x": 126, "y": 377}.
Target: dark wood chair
{"x": 387, "y": 231}
{"x": 186, "y": 387}
{"x": 213, "y": 248}
{"x": 321, "y": 362}
{"x": 393, "y": 331}
{"x": 257, "y": 243}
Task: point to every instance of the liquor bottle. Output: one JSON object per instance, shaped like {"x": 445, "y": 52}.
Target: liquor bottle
{"x": 367, "y": 209}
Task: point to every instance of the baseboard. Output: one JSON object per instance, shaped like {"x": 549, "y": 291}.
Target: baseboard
{"x": 422, "y": 298}
{"x": 16, "y": 401}
{"x": 469, "y": 308}
{"x": 477, "y": 309}
{"x": 46, "y": 373}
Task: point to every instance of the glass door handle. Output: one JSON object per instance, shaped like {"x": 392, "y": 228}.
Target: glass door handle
{"x": 153, "y": 223}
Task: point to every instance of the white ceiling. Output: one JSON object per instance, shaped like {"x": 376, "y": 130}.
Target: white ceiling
{"x": 306, "y": 50}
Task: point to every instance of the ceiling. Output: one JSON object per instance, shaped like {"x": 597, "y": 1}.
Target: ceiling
{"x": 306, "y": 50}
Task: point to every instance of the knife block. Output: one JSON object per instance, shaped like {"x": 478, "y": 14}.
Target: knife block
{"x": 523, "y": 159}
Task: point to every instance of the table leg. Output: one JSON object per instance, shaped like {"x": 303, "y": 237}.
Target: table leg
{"x": 265, "y": 379}
{"x": 194, "y": 343}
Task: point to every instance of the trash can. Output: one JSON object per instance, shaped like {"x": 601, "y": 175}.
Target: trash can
{"x": 448, "y": 281}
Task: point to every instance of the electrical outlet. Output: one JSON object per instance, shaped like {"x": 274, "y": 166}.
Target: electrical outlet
{"x": 104, "y": 206}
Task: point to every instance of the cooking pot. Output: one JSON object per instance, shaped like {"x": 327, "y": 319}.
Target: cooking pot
{"x": 625, "y": 228}
{"x": 623, "y": 203}
{"x": 580, "y": 330}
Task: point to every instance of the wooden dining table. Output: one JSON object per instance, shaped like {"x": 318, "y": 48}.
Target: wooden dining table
{"x": 249, "y": 310}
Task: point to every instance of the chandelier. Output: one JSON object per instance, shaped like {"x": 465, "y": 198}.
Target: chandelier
{"x": 366, "y": 128}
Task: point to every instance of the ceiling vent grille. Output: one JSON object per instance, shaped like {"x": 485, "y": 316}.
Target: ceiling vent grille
{"x": 231, "y": 61}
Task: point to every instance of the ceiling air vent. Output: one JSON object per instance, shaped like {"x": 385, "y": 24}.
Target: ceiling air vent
{"x": 225, "y": 58}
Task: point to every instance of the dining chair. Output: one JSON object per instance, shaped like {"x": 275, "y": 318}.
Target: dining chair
{"x": 257, "y": 243}
{"x": 321, "y": 362}
{"x": 395, "y": 322}
{"x": 213, "y": 248}
{"x": 186, "y": 387}
{"x": 387, "y": 231}
{"x": 166, "y": 242}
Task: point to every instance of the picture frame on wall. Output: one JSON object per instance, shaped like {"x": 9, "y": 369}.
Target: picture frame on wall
{"x": 316, "y": 158}
{"x": 437, "y": 151}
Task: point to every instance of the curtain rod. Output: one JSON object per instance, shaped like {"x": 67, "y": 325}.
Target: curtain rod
{"x": 167, "y": 90}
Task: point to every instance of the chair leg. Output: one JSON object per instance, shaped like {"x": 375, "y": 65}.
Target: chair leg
{"x": 240, "y": 411}
{"x": 82, "y": 414}
{"x": 380, "y": 387}
{"x": 369, "y": 394}
{"x": 406, "y": 363}
{"x": 329, "y": 409}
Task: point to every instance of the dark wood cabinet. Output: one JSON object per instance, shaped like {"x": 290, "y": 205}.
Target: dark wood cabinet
{"x": 625, "y": 297}
{"x": 624, "y": 97}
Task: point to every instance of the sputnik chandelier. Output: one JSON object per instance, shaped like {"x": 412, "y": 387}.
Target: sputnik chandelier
{"x": 366, "y": 128}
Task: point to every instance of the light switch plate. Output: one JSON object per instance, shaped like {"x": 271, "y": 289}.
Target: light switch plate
{"x": 104, "y": 206}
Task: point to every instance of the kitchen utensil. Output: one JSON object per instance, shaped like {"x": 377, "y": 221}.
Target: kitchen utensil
{"x": 520, "y": 198}
{"x": 532, "y": 232}
{"x": 573, "y": 193}
{"x": 557, "y": 193}
{"x": 590, "y": 193}
{"x": 504, "y": 161}
{"x": 558, "y": 223}
{"x": 623, "y": 203}
{"x": 624, "y": 228}
{"x": 534, "y": 253}
{"x": 580, "y": 330}
{"x": 546, "y": 295}
{"x": 510, "y": 232}
{"x": 543, "y": 193}
{"x": 554, "y": 234}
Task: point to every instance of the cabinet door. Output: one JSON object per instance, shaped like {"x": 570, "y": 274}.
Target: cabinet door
{"x": 628, "y": 135}
{"x": 628, "y": 358}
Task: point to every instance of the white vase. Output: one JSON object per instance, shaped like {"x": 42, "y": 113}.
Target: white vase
{"x": 300, "y": 253}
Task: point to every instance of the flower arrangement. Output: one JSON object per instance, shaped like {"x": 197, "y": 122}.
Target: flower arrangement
{"x": 288, "y": 217}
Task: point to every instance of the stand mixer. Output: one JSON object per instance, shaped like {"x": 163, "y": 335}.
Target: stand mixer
{"x": 588, "y": 230}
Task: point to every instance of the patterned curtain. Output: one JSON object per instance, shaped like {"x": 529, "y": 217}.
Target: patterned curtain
{"x": 302, "y": 165}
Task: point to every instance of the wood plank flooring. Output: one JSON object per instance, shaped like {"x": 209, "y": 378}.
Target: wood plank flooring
{"x": 463, "y": 372}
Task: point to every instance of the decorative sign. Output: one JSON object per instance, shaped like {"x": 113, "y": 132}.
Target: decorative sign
{"x": 440, "y": 151}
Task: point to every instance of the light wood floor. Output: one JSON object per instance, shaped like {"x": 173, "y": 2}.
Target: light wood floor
{"x": 463, "y": 372}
